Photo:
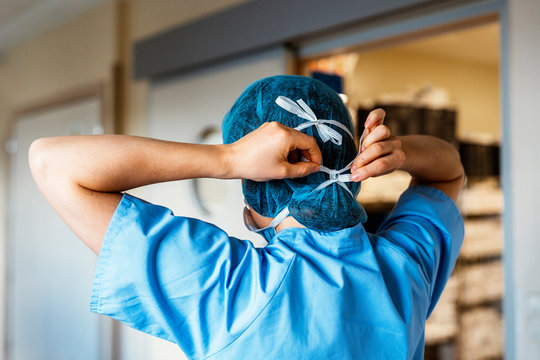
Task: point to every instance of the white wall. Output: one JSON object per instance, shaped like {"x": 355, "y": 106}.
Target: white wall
{"x": 521, "y": 159}
{"x": 150, "y": 17}
{"x": 57, "y": 62}
{"x": 74, "y": 55}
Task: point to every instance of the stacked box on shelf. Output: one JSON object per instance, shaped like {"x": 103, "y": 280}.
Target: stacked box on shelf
{"x": 480, "y": 159}
{"x": 442, "y": 324}
{"x": 481, "y": 199}
{"x": 481, "y": 283}
{"x": 480, "y": 272}
{"x": 481, "y": 334}
{"x": 483, "y": 238}
{"x": 440, "y": 123}
{"x": 403, "y": 119}
{"x": 408, "y": 119}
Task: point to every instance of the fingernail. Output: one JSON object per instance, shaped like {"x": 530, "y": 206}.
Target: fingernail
{"x": 363, "y": 148}
{"x": 355, "y": 177}
{"x": 354, "y": 168}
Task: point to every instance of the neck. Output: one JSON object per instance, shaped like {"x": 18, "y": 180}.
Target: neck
{"x": 288, "y": 223}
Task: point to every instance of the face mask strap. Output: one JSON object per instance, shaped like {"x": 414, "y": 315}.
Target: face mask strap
{"x": 282, "y": 215}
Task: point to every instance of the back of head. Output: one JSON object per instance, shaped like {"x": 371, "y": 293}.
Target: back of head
{"x": 329, "y": 209}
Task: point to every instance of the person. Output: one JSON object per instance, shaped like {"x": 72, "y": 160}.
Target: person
{"x": 322, "y": 288}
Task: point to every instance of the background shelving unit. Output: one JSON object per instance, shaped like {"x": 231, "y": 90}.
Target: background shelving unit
{"x": 431, "y": 86}
{"x": 467, "y": 321}
{"x": 480, "y": 273}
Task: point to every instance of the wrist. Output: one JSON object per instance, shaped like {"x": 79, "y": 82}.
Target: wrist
{"x": 225, "y": 168}
{"x": 408, "y": 152}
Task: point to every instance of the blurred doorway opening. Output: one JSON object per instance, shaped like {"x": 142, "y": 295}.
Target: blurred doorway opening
{"x": 443, "y": 82}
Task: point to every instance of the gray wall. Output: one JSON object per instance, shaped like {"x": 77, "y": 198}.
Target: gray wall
{"x": 258, "y": 25}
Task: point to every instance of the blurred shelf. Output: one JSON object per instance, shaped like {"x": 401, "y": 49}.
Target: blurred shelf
{"x": 442, "y": 324}
{"x": 384, "y": 189}
{"x": 482, "y": 199}
{"x": 483, "y": 238}
{"x": 480, "y": 283}
{"x": 481, "y": 335}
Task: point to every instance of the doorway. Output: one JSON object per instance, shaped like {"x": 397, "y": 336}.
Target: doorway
{"x": 446, "y": 85}
{"x": 49, "y": 270}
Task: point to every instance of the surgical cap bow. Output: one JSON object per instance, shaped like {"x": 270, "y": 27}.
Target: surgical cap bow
{"x": 301, "y": 109}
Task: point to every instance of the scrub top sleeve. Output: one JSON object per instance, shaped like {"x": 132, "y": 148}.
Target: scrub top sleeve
{"x": 427, "y": 225}
{"x": 174, "y": 277}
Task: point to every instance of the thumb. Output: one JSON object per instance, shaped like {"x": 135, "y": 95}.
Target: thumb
{"x": 301, "y": 169}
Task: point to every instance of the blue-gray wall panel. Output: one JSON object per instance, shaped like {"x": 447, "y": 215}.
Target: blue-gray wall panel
{"x": 256, "y": 25}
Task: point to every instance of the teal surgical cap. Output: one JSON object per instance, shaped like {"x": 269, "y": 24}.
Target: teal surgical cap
{"x": 333, "y": 207}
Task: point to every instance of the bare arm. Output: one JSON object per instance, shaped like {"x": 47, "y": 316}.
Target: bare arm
{"x": 433, "y": 162}
{"x": 82, "y": 177}
{"x": 430, "y": 161}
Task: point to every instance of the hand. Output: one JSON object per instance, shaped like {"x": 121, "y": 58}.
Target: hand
{"x": 273, "y": 151}
{"x": 381, "y": 152}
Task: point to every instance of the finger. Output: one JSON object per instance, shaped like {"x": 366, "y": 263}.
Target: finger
{"x": 376, "y": 117}
{"x": 376, "y": 168}
{"x": 307, "y": 146}
{"x": 373, "y": 152}
{"x": 380, "y": 133}
{"x": 301, "y": 169}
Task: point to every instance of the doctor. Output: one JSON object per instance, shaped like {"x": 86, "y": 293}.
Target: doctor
{"x": 322, "y": 288}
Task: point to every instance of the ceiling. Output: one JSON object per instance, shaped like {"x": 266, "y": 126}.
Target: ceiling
{"x": 20, "y": 20}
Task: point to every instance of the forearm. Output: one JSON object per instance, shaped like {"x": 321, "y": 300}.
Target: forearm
{"x": 429, "y": 159}
{"x": 113, "y": 163}
{"x": 82, "y": 177}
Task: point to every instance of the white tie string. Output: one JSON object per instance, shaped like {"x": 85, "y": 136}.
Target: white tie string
{"x": 301, "y": 109}
{"x": 337, "y": 176}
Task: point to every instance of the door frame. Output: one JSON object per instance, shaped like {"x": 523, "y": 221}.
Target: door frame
{"x": 102, "y": 91}
{"x": 406, "y": 27}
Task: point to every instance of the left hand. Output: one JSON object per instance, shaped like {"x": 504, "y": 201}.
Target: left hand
{"x": 381, "y": 151}
{"x": 272, "y": 152}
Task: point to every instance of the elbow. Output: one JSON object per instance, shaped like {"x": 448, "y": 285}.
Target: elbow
{"x": 451, "y": 161}
{"x": 460, "y": 170}
{"x": 458, "y": 178}
{"x": 39, "y": 158}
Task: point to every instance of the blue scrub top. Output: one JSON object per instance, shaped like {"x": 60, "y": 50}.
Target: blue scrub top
{"x": 307, "y": 295}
